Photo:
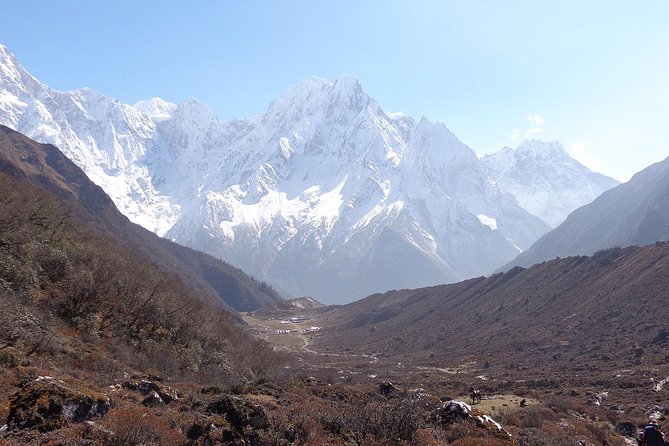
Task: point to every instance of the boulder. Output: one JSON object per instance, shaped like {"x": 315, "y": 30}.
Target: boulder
{"x": 239, "y": 412}
{"x": 453, "y": 411}
{"x": 150, "y": 389}
{"x": 153, "y": 400}
{"x": 627, "y": 428}
{"x": 46, "y": 404}
{"x": 387, "y": 388}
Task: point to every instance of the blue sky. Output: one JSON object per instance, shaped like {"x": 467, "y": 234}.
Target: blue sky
{"x": 591, "y": 74}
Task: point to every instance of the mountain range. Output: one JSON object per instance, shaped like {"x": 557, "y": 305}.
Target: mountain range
{"x": 324, "y": 194}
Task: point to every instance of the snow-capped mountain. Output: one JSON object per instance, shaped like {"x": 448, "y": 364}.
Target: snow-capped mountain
{"x": 545, "y": 180}
{"x": 633, "y": 213}
{"x": 324, "y": 194}
{"x": 105, "y": 138}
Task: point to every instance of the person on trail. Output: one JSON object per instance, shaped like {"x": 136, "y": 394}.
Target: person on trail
{"x": 652, "y": 435}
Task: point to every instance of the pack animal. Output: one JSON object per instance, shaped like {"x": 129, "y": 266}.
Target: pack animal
{"x": 475, "y": 395}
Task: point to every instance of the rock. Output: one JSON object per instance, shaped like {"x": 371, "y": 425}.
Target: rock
{"x": 627, "y": 428}
{"x": 452, "y": 411}
{"x": 149, "y": 388}
{"x": 311, "y": 381}
{"x": 143, "y": 386}
{"x": 240, "y": 412}
{"x": 167, "y": 394}
{"x": 387, "y": 388}
{"x": 153, "y": 400}
{"x": 455, "y": 410}
{"x": 46, "y": 404}
{"x": 198, "y": 430}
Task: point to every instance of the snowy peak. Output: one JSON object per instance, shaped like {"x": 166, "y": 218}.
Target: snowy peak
{"x": 542, "y": 150}
{"x": 545, "y": 180}
{"x": 347, "y": 93}
{"x": 435, "y": 143}
{"x": 156, "y": 108}
{"x": 196, "y": 113}
{"x": 315, "y": 96}
{"x": 11, "y": 72}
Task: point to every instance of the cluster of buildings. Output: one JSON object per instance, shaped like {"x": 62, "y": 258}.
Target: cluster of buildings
{"x": 295, "y": 330}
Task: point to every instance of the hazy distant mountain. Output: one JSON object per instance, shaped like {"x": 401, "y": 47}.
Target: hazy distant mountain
{"x": 545, "y": 180}
{"x": 633, "y": 213}
{"x": 324, "y": 194}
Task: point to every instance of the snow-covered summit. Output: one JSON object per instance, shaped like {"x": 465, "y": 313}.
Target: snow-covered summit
{"x": 156, "y": 108}
{"x": 538, "y": 149}
{"x": 545, "y": 180}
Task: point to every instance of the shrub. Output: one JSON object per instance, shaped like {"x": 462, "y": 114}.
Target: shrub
{"x": 8, "y": 360}
{"x": 136, "y": 425}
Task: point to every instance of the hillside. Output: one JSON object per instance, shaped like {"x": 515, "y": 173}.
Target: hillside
{"x": 606, "y": 312}
{"x": 633, "y": 213}
{"x": 47, "y": 167}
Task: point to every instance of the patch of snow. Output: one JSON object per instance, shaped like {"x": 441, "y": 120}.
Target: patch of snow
{"x": 488, "y": 221}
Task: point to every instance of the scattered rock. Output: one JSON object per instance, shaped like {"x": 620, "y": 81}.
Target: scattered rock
{"x": 46, "y": 404}
{"x": 311, "y": 381}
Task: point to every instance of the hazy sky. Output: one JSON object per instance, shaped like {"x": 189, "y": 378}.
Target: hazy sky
{"x": 591, "y": 74}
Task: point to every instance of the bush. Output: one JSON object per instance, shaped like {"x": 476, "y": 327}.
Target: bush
{"x": 8, "y": 360}
{"x": 134, "y": 426}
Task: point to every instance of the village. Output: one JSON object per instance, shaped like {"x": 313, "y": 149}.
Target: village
{"x": 296, "y": 320}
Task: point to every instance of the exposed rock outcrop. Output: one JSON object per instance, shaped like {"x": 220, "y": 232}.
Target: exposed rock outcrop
{"x": 46, "y": 404}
